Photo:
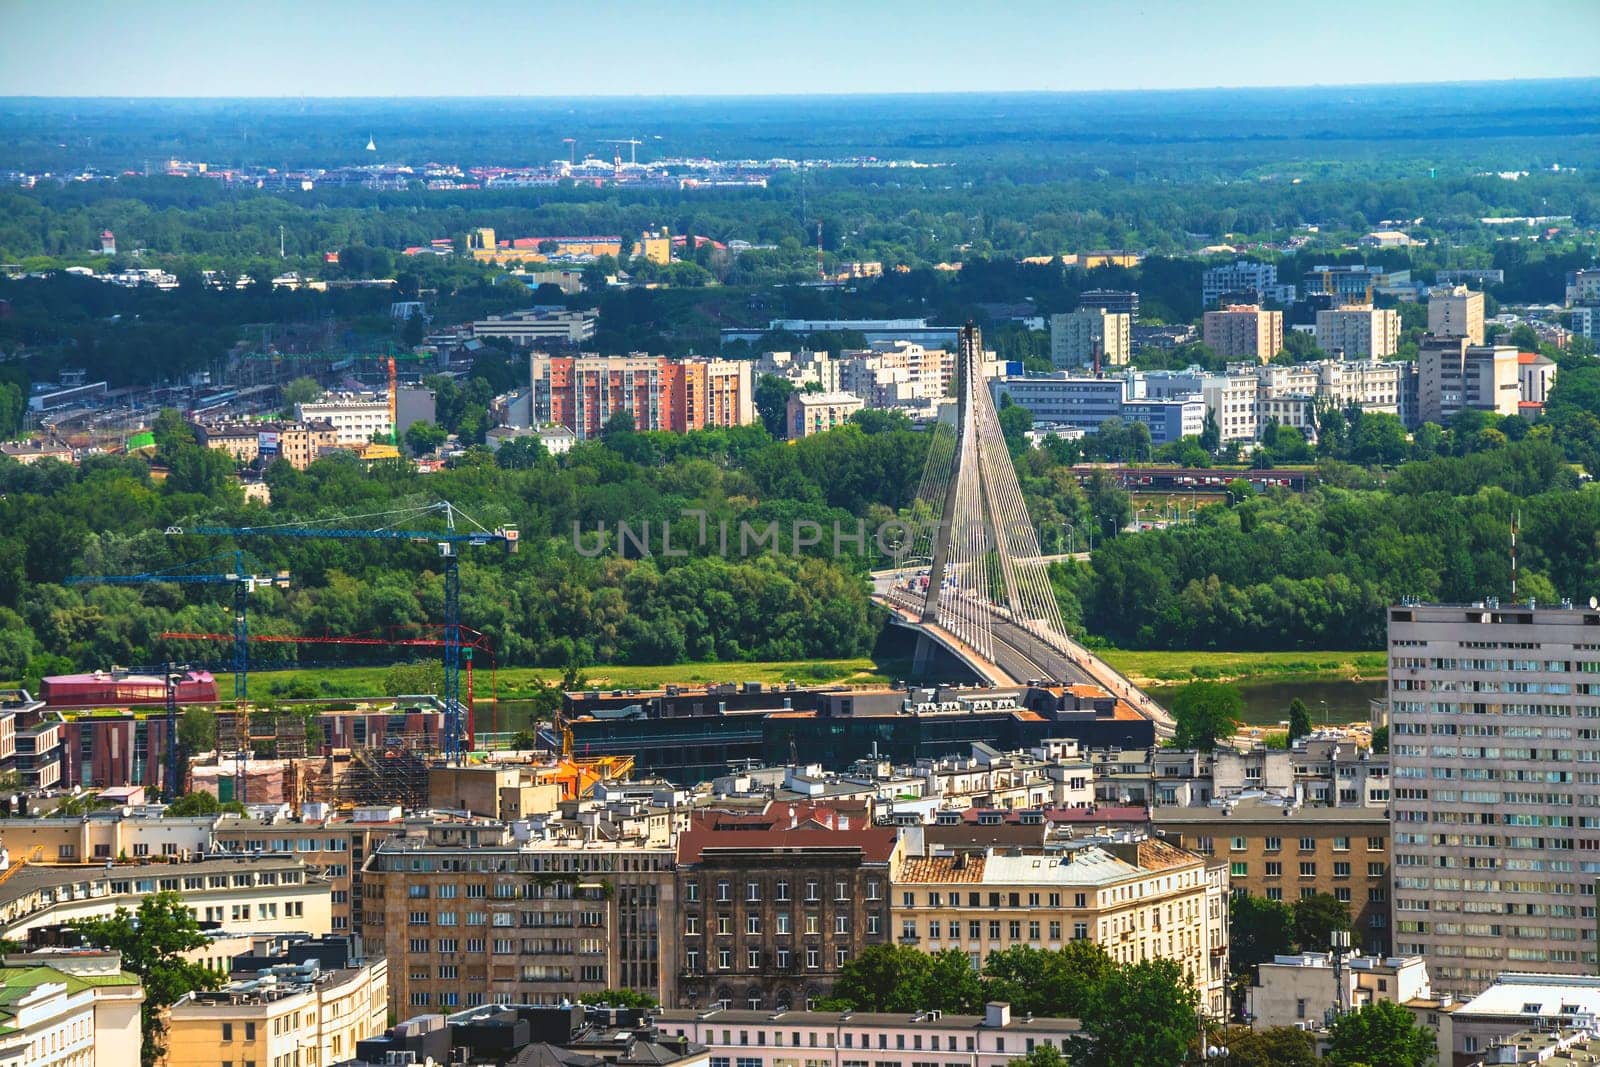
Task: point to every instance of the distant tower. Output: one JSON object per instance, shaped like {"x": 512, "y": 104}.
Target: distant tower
{"x": 372, "y": 146}
{"x": 108, "y": 243}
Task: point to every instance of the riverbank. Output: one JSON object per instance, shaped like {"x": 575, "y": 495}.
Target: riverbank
{"x": 513, "y": 683}
{"x": 1158, "y": 669}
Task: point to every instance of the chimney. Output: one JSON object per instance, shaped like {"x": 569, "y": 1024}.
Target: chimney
{"x": 996, "y": 1014}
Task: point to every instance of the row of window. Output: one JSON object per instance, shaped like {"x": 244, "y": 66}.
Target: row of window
{"x": 1241, "y": 869}
{"x": 781, "y": 891}
{"x": 782, "y": 958}
{"x": 782, "y": 924}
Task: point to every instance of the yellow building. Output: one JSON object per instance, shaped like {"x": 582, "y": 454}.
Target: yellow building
{"x": 655, "y": 247}
{"x": 1138, "y": 900}
{"x": 288, "y": 1016}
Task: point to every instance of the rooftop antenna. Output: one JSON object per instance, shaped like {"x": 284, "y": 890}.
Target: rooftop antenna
{"x": 1516, "y": 520}
{"x": 281, "y": 253}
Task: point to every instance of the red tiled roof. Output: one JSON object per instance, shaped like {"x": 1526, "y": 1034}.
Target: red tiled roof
{"x": 789, "y": 826}
{"x": 941, "y": 869}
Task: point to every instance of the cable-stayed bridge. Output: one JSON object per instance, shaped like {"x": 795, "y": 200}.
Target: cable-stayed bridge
{"x": 980, "y": 589}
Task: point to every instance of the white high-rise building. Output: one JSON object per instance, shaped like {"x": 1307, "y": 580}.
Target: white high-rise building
{"x": 1456, "y": 311}
{"x": 1359, "y": 330}
{"x": 1075, "y": 338}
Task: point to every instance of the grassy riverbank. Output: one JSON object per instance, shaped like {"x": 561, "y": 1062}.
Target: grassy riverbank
{"x": 1177, "y": 668}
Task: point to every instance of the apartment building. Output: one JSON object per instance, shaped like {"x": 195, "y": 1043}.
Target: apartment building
{"x": 1359, "y": 330}
{"x": 298, "y": 443}
{"x": 800, "y": 369}
{"x": 356, "y": 418}
{"x": 1288, "y": 851}
{"x": 68, "y": 1009}
{"x": 1078, "y": 339}
{"x": 1491, "y": 790}
{"x": 897, "y": 374}
{"x": 259, "y": 895}
{"x": 814, "y": 413}
{"x": 583, "y": 392}
{"x": 1244, "y": 278}
{"x": 109, "y": 835}
{"x": 774, "y": 903}
{"x": 1137, "y": 899}
{"x": 996, "y": 1038}
{"x": 1454, "y": 376}
{"x": 473, "y": 915}
{"x": 287, "y": 1014}
{"x": 1583, "y": 287}
{"x": 1243, "y": 331}
{"x": 1456, "y": 311}
{"x": 336, "y": 844}
{"x": 539, "y": 326}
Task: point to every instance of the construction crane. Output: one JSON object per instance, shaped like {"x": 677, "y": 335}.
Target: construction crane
{"x": 243, "y": 583}
{"x": 448, "y": 541}
{"x": 633, "y": 144}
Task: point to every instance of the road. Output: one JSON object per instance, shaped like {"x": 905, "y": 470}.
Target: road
{"x": 1023, "y": 654}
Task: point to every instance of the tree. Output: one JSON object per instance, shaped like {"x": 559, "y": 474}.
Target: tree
{"x": 1299, "y": 720}
{"x": 1043, "y": 1054}
{"x": 152, "y": 942}
{"x": 303, "y": 390}
{"x": 772, "y": 402}
{"x": 1020, "y": 976}
{"x": 1380, "y": 1034}
{"x": 620, "y": 998}
{"x": 953, "y": 984}
{"x": 422, "y": 437}
{"x": 523, "y": 740}
{"x": 1316, "y": 918}
{"x": 416, "y": 677}
{"x": 1015, "y": 422}
{"x": 618, "y": 427}
{"x": 415, "y": 328}
{"x": 1206, "y": 712}
{"x": 200, "y": 803}
{"x": 1274, "y": 1046}
{"x": 1258, "y": 929}
{"x": 885, "y": 978}
{"x": 1140, "y": 1013}
{"x": 197, "y": 730}
{"x": 1380, "y": 740}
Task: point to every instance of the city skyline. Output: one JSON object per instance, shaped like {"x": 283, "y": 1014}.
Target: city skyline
{"x": 710, "y": 49}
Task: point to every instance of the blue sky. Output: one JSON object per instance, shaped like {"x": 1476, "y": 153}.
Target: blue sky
{"x": 758, "y": 47}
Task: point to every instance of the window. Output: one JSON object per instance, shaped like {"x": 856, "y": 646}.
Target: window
{"x": 783, "y": 890}
{"x": 1274, "y": 844}
{"x": 1374, "y": 844}
{"x": 812, "y": 889}
{"x": 1374, "y": 870}
{"x": 1080, "y": 900}
{"x": 813, "y": 958}
{"x": 752, "y": 892}
{"x": 1274, "y": 870}
{"x": 723, "y": 889}
{"x": 691, "y": 924}
{"x": 1341, "y": 844}
{"x": 1239, "y": 869}
{"x": 1238, "y": 844}
{"x": 753, "y": 959}
{"x": 1341, "y": 870}
{"x": 724, "y": 924}
{"x": 752, "y": 924}
{"x": 782, "y": 919}
{"x": 724, "y": 958}
{"x": 841, "y": 924}
{"x": 227, "y": 1031}
{"x": 1308, "y": 844}
{"x": 691, "y": 891}
{"x": 1308, "y": 870}
{"x": 1080, "y": 931}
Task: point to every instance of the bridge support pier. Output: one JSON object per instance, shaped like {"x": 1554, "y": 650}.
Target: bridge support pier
{"x": 925, "y": 660}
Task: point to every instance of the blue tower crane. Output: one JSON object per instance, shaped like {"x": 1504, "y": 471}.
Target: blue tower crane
{"x": 448, "y": 541}
{"x": 243, "y": 584}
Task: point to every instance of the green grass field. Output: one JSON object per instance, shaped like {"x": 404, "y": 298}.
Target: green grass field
{"x": 1171, "y": 668}
{"x": 514, "y": 682}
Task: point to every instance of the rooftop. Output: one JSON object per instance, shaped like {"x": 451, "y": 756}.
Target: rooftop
{"x": 1531, "y": 994}
{"x": 921, "y": 1020}
{"x": 1260, "y": 811}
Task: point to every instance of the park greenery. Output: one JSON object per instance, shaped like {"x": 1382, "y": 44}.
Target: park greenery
{"x": 1260, "y": 928}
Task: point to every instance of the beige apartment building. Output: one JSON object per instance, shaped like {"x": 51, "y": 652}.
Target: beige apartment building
{"x": 812, "y": 413}
{"x": 1287, "y": 851}
{"x": 1494, "y": 721}
{"x": 68, "y": 1009}
{"x": 1244, "y": 331}
{"x": 1137, "y": 899}
{"x": 470, "y": 915}
{"x": 1456, "y": 311}
{"x": 1076, "y": 337}
{"x": 258, "y": 895}
{"x": 286, "y": 1016}
{"x": 336, "y": 845}
{"x": 1454, "y": 376}
{"x": 1359, "y": 331}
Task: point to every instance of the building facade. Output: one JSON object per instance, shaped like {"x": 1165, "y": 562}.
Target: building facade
{"x": 1137, "y": 899}
{"x": 533, "y": 327}
{"x": 582, "y": 393}
{"x": 1456, "y": 311}
{"x": 479, "y": 917}
{"x": 773, "y": 904}
{"x": 356, "y": 418}
{"x": 1453, "y": 376}
{"x": 1491, "y": 794}
{"x": 68, "y": 1009}
{"x": 1359, "y": 331}
{"x": 1243, "y": 331}
{"x": 1079, "y": 338}
{"x": 1243, "y": 278}
{"x": 1288, "y": 851}
{"x": 813, "y": 413}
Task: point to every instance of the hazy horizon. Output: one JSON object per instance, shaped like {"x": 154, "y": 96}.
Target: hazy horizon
{"x": 406, "y": 49}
